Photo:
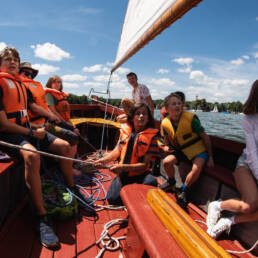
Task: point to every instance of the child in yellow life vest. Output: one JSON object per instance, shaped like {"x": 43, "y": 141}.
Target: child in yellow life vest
{"x": 136, "y": 145}
{"x": 185, "y": 140}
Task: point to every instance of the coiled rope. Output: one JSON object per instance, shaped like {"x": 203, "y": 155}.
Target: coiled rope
{"x": 232, "y": 251}
{"x": 109, "y": 242}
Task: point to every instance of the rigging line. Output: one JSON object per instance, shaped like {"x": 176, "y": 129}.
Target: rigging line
{"x": 46, "y": 153}
{"x": 103, "y": 128}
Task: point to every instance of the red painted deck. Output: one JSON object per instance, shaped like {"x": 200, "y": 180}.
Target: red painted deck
{"x": 77, "y": 236}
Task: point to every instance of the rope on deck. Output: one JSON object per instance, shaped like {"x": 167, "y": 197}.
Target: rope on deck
{"x": 109, "y": 242}
{"x": 232, "y": 251}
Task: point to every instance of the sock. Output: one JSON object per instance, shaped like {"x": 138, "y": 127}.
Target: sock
{"x": 217, "y": 205}
{"x": 184, "y": 187}
{"x": 171, "y": 181}
{"x": 232, "y": 219}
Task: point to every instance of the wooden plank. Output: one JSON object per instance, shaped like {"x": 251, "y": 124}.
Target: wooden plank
{"x": 66, "y": 232}
{"x": 18, "y": 242}
{"x": 85, "y": 238}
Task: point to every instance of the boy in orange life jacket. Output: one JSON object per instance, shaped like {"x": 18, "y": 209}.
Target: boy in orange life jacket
{"x": 137, "y": 144}
{"x": 185, "y": 140}
{"x": 15, "y": 129}
{"x": 39, "y": 110}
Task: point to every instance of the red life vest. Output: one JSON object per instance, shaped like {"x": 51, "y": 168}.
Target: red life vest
{"x": 14, "y": 98}
{"x": 141, "y": 144}
{"x": 39, "y": 96}
{"x": 62, "y": 106}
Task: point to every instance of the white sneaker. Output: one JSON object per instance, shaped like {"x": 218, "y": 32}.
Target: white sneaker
{"x": 213, "y": 215}
{"x": 224, "y": 224}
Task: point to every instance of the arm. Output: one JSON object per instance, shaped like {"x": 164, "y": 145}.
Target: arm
{"x": 113, "y": 155}
{"x": 251, "y": 147}
{"x": 10, "y": 127}
{"x": 207, "y": 143}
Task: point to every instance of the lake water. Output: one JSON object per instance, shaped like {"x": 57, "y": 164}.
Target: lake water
{"x": 227, "y": 126}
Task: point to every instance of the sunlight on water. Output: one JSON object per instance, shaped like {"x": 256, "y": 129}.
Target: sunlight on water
{"x": 227, "y": 126}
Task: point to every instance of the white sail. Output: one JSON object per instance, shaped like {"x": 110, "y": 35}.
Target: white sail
{"x": 144, "y": 20}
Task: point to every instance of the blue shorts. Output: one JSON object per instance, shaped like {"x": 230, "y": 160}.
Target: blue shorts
{"x": 242, "y": 162}
{"x": 202, "y": 155}
{"x": 21, "y": 140}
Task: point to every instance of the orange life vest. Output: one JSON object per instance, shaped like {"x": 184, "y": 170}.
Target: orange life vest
{"x": 62, "y": 106}
{"x": 14, "y": 98}
{"x": 39, "y": 96}
{"x": 140, "y": 147}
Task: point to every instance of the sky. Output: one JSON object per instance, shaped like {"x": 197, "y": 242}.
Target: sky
{"x": 211, "y": 52}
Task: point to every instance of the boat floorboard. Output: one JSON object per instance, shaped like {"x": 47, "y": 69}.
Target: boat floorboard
{"x": 77, "y": 236}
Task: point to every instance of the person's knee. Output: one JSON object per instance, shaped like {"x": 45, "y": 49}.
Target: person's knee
{"x": 65, "y": 149}
{"x": 169, "y": 162}
{"x": 32, "y": 159}
{"x": 248, "y": 206}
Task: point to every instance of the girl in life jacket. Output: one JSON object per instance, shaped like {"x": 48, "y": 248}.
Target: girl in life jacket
{"x": 184, "y": 141}
{"x": 58, "y": 103}
{"x": 137, "y": 144}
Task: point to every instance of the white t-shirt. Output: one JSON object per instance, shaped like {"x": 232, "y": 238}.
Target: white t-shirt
{"x": 140, "y": 94}
{"x": 250, "y": 128}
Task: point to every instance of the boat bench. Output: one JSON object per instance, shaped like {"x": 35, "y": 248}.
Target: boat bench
{"x": 146, "y": 235}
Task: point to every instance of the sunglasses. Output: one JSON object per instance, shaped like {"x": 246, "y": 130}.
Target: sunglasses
{"x": 27, "y": 73}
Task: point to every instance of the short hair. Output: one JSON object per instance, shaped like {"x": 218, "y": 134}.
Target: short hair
{"x": 173, "y": 94}
{"x": 181, "y": 95}
{"x": 52, "y": 79}
{"x": 251, "y": 105}
{"x": 132, "y": 111}
{"x": 9, "y": 50}
{"x": 131, "y": 74}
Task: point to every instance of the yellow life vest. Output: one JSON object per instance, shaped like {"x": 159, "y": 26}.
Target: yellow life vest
{"x": 39, "y": 97}
{"x": 140, "y": 147}
{"x": 184, "y": 138}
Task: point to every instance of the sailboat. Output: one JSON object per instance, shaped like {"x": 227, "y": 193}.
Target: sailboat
{"x": 157, "y": 226}
{"x": 215, "y": 109}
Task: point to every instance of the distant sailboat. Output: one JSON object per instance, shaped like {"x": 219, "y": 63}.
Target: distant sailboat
{"x": 215, "y": 109}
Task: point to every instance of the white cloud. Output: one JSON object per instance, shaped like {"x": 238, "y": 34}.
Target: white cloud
{"x": 246, "y": 57}
{"x": 200, "y": 78}
{"x": 92, "y": 69}
{"x": 238, "y": 61}
{"x": 235, "y": 83}
{"x": 94, "y": 84}
{"x": 70, "y": 85}
{"x": 162, "y": 82}
{"x": 184, "y": 70}
{"x": 74, "y": 77}
{"x": 163, "y": 71}
{"x": 2, "y": 46}
{"x": 256, "y": 55}
{"x": 184, "y": 61}
{"x": 101, "y": 78}
{"x": 122, "y": 70}
{"x": 50, "y": 52}
{"x": 256, "y": 18}
{"x": 110, "y": 63}
{"x": 45, "y": 69}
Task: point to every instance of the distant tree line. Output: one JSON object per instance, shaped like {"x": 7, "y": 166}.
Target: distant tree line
{"x": 232, "y": 107}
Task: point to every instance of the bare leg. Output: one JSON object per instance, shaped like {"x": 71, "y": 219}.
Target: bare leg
{"x": 194, "y": 174}
{"x": 63, "y": 148}
{"x": 249, "y": 193}
{"x": 32, "y": 177}
{"x": 168, "y": 164}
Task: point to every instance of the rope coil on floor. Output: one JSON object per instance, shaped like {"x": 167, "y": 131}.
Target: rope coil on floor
{"x": 107, "y": 240}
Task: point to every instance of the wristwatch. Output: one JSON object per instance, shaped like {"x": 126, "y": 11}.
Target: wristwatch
{"x": 31, "y": 132}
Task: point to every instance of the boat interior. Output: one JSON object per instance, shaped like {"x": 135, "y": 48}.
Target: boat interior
{"x": 147, "y": 235}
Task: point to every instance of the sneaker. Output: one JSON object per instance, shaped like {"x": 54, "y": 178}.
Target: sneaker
{"x": 167, "y": 187}
{"x": 213, "y": 215}
{"x": 46, "y": 234}
{"x": 224, "y": 224}
{"x": 182, "y": 199}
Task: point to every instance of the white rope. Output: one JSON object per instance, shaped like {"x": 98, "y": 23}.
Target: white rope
{"x": 109, "y": 207}
{"x": 232, "y": 251}
{"x": 44, "y": 153}
{"x": 109, "y": 242}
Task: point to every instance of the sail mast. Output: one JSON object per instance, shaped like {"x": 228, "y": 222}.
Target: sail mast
{"x": 174, "y": 12}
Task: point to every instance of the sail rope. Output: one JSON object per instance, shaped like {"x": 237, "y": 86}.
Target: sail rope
{"x": 233, "y": 251}
{"x": 46, "y": 153}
